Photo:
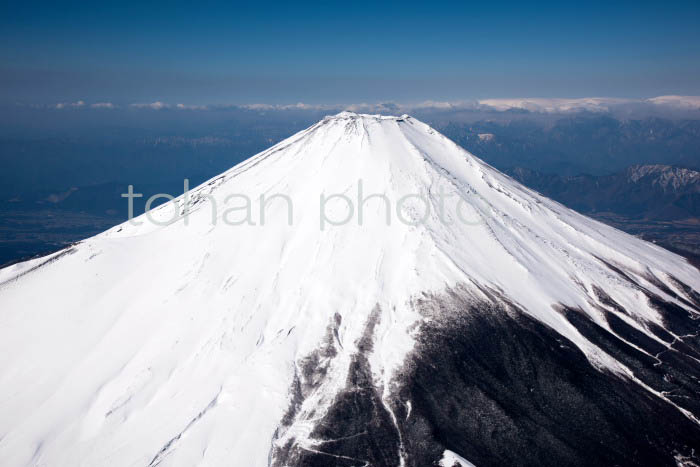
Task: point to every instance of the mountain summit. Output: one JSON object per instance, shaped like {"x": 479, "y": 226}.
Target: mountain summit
{"x": 365, "y": 292}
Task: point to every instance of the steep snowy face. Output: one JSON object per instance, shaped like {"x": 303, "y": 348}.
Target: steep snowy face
{"x": 298, "y": 309}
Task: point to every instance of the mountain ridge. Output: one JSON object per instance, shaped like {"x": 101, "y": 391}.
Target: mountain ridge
{"x": 653, "y": 191}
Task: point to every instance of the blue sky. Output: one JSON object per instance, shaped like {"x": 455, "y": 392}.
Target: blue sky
{"x": 282, "y": 52}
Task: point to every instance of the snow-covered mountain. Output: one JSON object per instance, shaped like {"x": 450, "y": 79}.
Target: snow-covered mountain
{"x": 665, "y": 176}
{"x": 457, "y": 317}
{"x": 654, "y": 192}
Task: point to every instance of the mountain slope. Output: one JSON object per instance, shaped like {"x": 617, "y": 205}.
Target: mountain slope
{"x": 500, "y": 327}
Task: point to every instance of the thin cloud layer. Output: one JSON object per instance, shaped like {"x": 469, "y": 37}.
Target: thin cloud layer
{"x": 102, "y": 105}
{"x": 64, "y": 105}
{"x": 687, "y": 102}
{"x": 158, "y": 105}
{"x": 534, "y": 105}
{"x": 594, "y": 104}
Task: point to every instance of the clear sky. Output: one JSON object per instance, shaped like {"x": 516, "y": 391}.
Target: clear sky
{"x": 344, "y": 52}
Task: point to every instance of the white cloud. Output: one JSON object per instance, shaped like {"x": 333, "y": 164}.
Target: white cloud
{"x": 530, "y": 104}
{"x": 297, "y": 106}
{"x": 445, "y": 105}
{"x": 555, "y": 105}
{"x": 102, "y": 105}
{"x": 681, "y": 102}
{"x": 157, "y": 105}
{"x": 64, "y": 105}
{"x": 191, "y": 107}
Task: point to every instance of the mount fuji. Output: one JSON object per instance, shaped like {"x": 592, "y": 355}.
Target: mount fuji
{"x": 364, "y": 293}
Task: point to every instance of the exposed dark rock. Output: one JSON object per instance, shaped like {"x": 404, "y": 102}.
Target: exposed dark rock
{"x": 498, "y": 387}
{"x": 503, "y": 389}
{"x": 357, "y": 430}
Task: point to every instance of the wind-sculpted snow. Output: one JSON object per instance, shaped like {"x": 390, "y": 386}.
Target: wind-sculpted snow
{"x": 495, "y": 327}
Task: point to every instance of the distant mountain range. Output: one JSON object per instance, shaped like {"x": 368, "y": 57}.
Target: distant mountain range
{"x": 659, "y": 203}
{"x": 583, "y": 143}
{"x": 656, "y": 192}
